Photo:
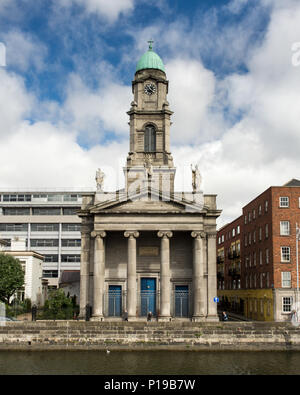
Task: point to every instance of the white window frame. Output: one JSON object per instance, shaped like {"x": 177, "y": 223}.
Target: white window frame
{"x": 285, "y": 230}
{"x": 286, "y": 279}
{"x": 287, "y": 301}
{"x": 284, "y": 201}
{"x": 285, "y": 255}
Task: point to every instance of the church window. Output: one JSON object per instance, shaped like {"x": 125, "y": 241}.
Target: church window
{"x": 150, "y": 139}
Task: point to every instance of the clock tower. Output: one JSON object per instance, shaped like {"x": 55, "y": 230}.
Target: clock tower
{"x": 149, "y": 161}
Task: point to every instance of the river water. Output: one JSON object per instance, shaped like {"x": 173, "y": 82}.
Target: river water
{"x": 149, "y": 363}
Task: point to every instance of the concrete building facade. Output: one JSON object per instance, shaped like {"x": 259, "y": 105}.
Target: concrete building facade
{"x": 35, "y": 288}
{"x": 149, "y": 248}
{"x": 48, "y": 221}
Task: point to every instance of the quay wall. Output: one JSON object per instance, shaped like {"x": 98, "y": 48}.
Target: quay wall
{"x": 81, "y": 335}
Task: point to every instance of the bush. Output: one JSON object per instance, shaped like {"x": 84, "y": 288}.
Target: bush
{"x": 57, "y": 307}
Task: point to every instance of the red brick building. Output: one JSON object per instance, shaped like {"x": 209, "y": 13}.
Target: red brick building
{"x": 267, "y": 282}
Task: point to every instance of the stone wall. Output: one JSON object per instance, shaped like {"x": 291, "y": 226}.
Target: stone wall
{"x": 45, "y": 335}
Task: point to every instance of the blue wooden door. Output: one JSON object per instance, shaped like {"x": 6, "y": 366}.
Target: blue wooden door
{"x": 148, "y": 296}
{"x": 181, "y": 300}
{"x": 115, "y": 300}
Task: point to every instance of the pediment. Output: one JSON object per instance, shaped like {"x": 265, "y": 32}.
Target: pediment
{"x": 145, "y": 202}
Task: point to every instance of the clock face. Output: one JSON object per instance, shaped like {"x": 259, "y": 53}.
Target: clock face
{"x": 150, "y": 89}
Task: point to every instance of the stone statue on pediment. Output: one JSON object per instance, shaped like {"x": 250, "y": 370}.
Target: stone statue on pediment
{"x": 196, "y": 178}
{"x": 99, "y": 180}
{"x": 148, "y": 168}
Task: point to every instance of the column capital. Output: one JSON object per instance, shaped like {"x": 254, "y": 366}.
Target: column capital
{"x": 198, "y": 234}
{"x": 100, "y": 233}
{"x": 85, "y": 232}
{"x": 165, "y": 233}
{"x": 131, "y": 233}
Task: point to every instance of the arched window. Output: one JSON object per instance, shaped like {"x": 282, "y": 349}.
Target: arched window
{"x": 150, "y": 139}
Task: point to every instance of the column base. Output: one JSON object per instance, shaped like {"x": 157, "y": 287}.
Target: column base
{"x": 198, "y": 318}
{"x": 213, "y": 318}
{"x": 133, "y": 318}
{"x": 164, "y": 319}
{"x": 97, "y": 318}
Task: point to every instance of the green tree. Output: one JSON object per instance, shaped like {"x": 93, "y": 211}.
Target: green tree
{"x": 58, "y": 306}
{"x": 11, "y": 277}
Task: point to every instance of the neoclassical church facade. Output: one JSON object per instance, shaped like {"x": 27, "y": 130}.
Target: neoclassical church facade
{"x": 146, "y": 247}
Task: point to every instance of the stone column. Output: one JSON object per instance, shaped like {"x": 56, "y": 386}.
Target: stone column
{"x": 131, "y": 274}
{"x": 212, "y": 312}
{"x": 165, "y": 302}
{"x": 84, "y": 271}
{"x": 99, "y": 275}
{"x": 199, "y": 283}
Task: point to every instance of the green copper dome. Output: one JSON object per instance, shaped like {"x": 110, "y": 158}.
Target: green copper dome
{"x": 150, "y": 60}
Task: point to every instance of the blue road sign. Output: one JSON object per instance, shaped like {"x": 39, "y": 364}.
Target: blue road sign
{"x": 216, "y": 300}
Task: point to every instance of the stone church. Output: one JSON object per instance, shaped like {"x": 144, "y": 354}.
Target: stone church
{"x": 147, "y": 248}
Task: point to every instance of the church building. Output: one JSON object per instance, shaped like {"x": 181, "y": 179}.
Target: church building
{"x": 147, "y": 248}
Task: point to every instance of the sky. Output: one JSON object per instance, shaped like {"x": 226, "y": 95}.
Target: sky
{"x": 233, "y": 66}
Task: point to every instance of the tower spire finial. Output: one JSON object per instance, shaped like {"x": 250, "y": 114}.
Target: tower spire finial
{"x": 150, "y": 44}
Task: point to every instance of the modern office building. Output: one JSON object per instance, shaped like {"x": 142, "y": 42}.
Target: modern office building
{"x": 49, "y": 223}
{"x": 265, "y": 285}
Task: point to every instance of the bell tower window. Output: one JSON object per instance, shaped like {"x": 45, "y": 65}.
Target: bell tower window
{"x": 150, "y": 139}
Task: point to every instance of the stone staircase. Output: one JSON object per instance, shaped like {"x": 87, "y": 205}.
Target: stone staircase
{"x": 43, "y": 335}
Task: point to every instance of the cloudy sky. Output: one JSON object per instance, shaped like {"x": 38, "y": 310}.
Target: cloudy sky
{"x": 233, "y": 67}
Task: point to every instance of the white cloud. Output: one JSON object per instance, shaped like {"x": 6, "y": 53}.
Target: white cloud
{"x": 43, "y": 156}
{"x": 93, "y": 112}
{"x": 24, "y": 51}
{"x": 15, "y": 102}
{"x": 191, "y": 96}
{"x": 110, "y": 10}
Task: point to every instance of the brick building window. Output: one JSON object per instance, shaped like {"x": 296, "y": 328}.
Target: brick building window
{"x": 284, "y": 228}
{"x": 260, "y": 257}
{"x": 287, "y": 304}
{"x": 259, "y": 209}
{"x": 267, "y": 231}
{"x": 285, "y": 254}
{"x": 267, "y": 256}
{"x": 283, "y": 201}
{"x": 286, "y": 279}
{"x": 266, "y": 206}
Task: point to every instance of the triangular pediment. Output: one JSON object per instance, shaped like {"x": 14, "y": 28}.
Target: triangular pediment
{"x": 146, "y": 201}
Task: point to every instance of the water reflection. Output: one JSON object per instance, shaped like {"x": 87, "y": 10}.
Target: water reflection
{"x": 149, "y": 362}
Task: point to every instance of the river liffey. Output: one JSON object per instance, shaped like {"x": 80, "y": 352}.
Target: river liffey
{"x": 149, "y": 363}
